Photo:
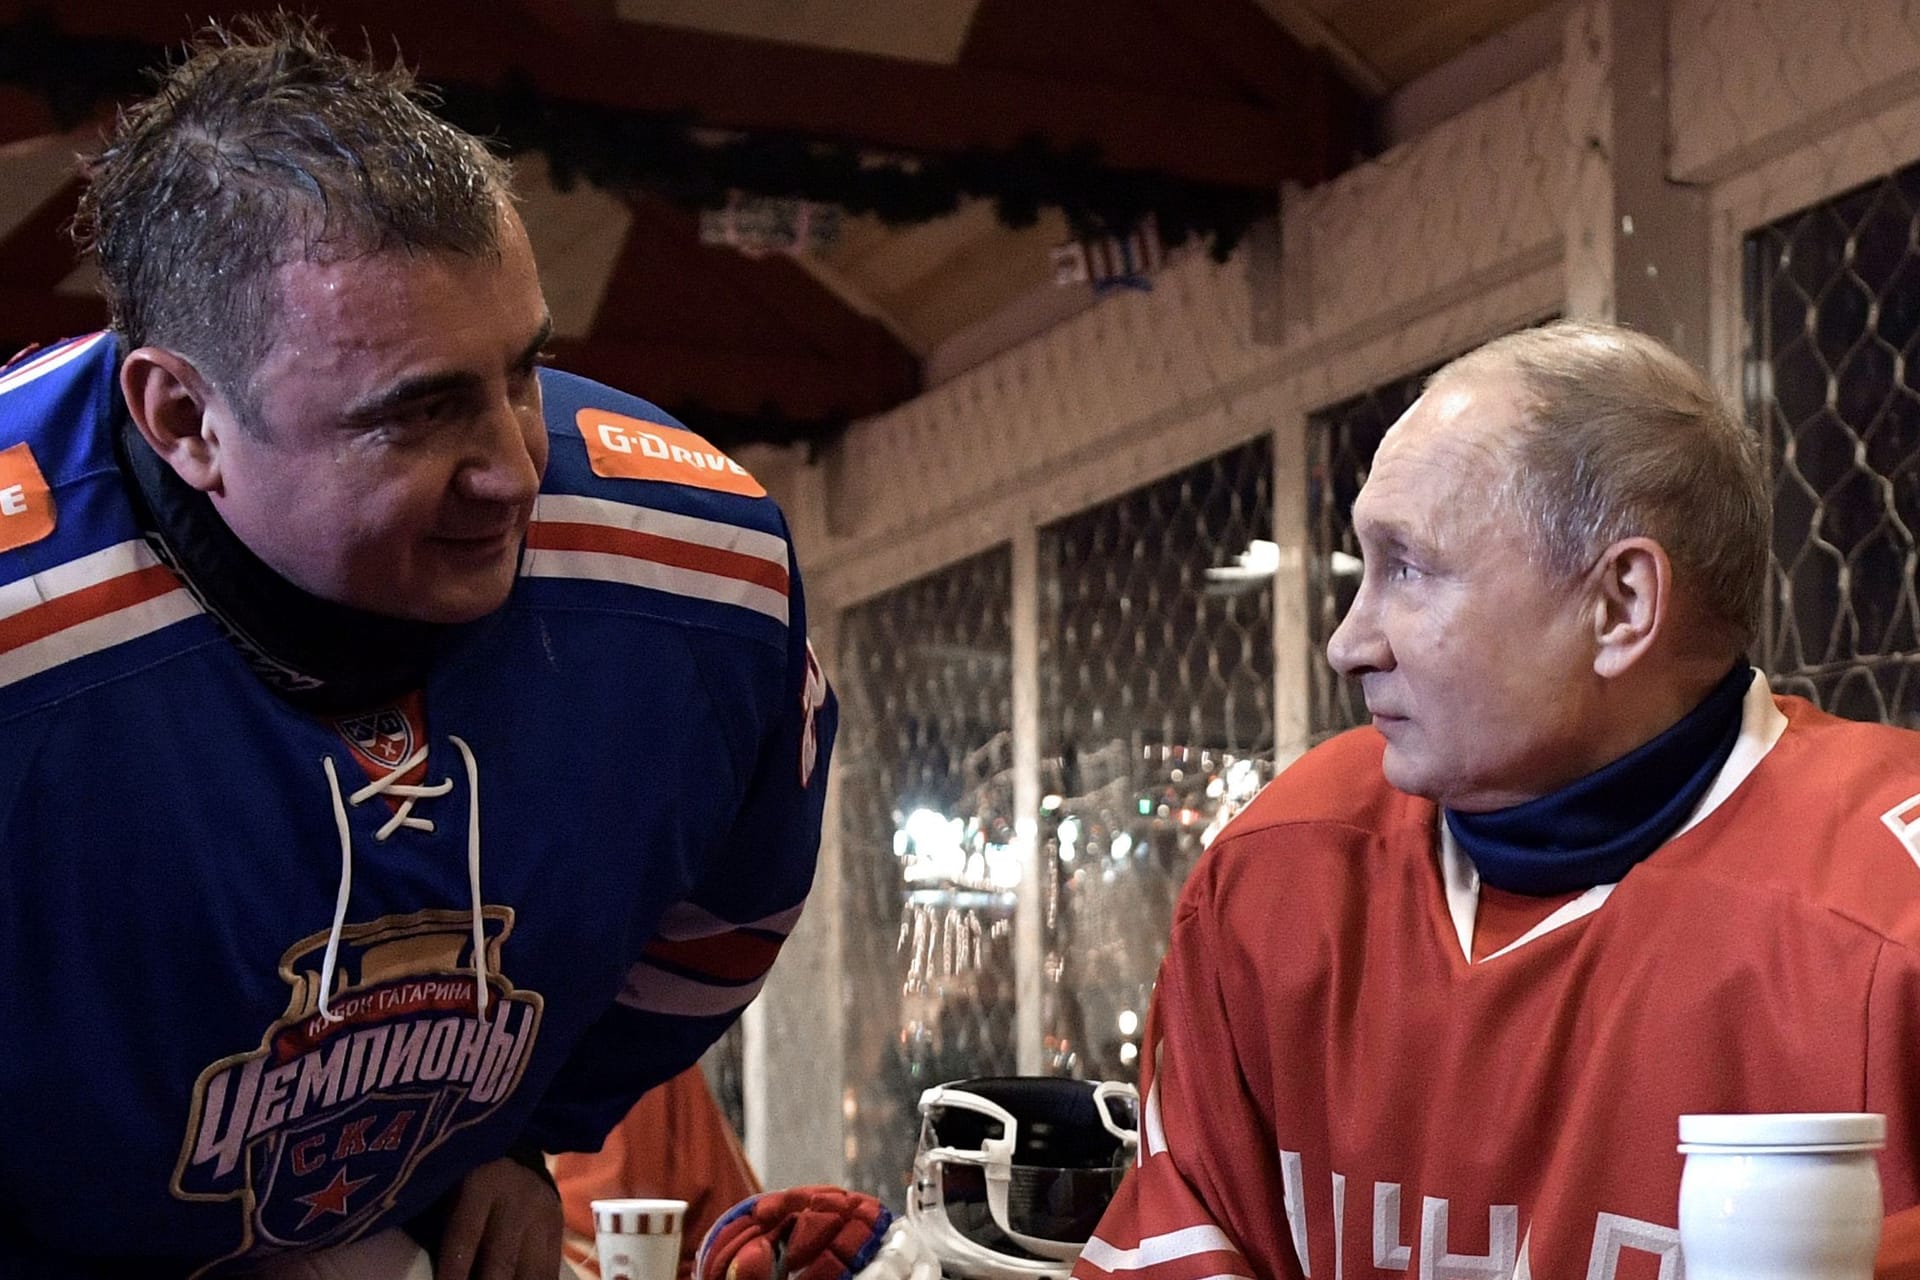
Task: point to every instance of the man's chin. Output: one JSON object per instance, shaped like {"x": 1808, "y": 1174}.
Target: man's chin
{"x": 450, "y": 604}
{"x": 1405, "y": 774}
{"x": 467, "y": 609}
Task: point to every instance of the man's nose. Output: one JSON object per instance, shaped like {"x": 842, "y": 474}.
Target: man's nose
{"x": 506, "y": 468}
{"x": 1358, "y": 645}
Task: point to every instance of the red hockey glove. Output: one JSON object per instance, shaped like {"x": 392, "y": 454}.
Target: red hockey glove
{"x": 803, "y": 1233}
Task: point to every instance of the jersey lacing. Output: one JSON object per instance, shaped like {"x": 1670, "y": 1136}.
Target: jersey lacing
{"x": 390, "y": 784}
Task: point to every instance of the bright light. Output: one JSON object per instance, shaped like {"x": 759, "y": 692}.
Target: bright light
{"x": 1128, "y": 1052}
{"x": 931, "y": 830}
{"x": 1243, "y": 781}
{"x": 1260, "y": 560}
{"x": 1003, "y": 867}
{"x": 1121, "y": 846}
{"x": 1129, "y": 1022}
{"x": 935, "y": 849}
{"x": 1049, "y": 803}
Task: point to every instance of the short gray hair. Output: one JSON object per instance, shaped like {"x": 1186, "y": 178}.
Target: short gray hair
{"x": 1622, "y": 438}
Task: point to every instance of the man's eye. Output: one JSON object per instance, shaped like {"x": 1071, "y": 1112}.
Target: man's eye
{"x": 429, "y": 412}
{"x": 413, "y": 419}
{"x": 1401, "y": 571}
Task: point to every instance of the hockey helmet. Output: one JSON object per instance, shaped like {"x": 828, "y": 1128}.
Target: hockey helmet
{"x": 1013, "y": 1172}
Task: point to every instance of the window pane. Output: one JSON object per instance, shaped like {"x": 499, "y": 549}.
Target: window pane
{"x": 1157, "y": 723}
{"x": 1833, "y": 313}
{"x": 925, "y": 770}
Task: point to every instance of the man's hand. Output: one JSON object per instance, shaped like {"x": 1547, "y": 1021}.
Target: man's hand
{"x": 505, "y": 1226}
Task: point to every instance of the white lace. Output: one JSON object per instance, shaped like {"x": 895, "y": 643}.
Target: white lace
{"x": 390, "y": 784}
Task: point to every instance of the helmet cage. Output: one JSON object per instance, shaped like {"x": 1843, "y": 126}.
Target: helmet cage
{"x": 994, "y": 1158}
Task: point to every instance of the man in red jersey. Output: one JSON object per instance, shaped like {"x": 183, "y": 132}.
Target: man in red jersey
{"x": 1435, "y": 1001}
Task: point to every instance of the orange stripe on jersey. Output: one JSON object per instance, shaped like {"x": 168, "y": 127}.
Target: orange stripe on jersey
{"x": 554, "y": 535}
{"x": 84, "y": 605}
{"x": 729, "y": 957}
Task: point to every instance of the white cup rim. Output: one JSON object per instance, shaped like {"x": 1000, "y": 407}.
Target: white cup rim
{"x": 1827, "y": 1130}
{"x": 639, "y": 1205}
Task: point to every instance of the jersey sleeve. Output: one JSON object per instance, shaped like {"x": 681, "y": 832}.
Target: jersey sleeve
{"x": 1207, "y": 1181}
{"x": 713, "y": 949}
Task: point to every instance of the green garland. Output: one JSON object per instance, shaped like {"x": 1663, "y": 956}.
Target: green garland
{"x": 666, "y": 154}
{"x": 663, "y": 153}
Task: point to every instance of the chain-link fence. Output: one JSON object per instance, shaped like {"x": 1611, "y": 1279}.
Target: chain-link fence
{"x": 1833, "y": 313}
{"x": 924, "y": 768}
{"x": 1156, "y": 666}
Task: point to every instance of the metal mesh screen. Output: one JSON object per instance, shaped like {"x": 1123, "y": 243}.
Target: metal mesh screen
{"x": 1340, "y": 441}
{"x": 1833, "y": 311}
{"x": 1156, "y": 666}
{"x": 924, "y": 768}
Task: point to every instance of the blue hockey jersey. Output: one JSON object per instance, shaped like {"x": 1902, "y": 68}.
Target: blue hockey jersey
{"x": 272, "y": 980}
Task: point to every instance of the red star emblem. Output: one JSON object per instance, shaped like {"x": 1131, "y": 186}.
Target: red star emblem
{"x": 331, "y": 1198}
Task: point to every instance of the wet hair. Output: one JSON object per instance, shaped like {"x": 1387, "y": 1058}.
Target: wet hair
{"x": 1622, "y": 438}
{"x": 264, "y": 147}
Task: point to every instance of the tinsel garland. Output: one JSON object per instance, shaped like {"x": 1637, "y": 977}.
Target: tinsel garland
{"x": 675, "y": 155}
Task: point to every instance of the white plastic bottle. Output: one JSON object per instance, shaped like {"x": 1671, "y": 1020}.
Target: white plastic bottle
{"x": 1781, "y": 1197}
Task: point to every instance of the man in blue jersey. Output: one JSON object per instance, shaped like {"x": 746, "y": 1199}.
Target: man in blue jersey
{"x": 408, "y": 755}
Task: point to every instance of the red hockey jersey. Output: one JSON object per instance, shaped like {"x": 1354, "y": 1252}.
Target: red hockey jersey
{"x": 1335, "y": 1090}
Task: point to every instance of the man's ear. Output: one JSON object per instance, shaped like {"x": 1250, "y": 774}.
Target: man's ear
{"x": 1633, "y": 590}
{"x": 168, "y": 400}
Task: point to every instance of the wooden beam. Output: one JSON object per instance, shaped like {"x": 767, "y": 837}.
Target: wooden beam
{"x": 1331, "y": 114}
{"x": 1258, "y": 53}
{"x": 1110, "y": 42}
{"x": 572, "y": 19}
{"x": 41, "y": 315}
{"x": 801, "y": 388}
{"x": 735, "y": 334}
{"x": 667, "y": 283}
{"x": 38, "y": 254}
{"x": 23, "y": 115}
{"x": 1311, "y": 30}
{"x": 731, "y": 82}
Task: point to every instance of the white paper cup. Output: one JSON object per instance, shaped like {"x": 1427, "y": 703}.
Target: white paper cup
{"x": 638, "y": 1239}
